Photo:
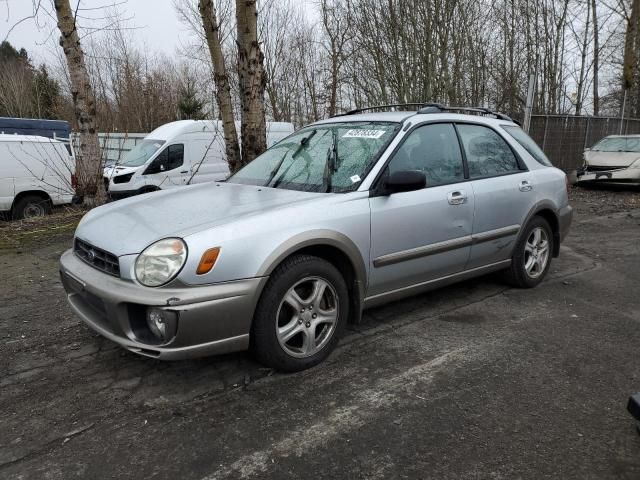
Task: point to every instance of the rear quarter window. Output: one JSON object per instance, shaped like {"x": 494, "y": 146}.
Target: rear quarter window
{"x": 528, "y": 144}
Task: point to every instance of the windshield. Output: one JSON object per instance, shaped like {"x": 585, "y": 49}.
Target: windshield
{"x": 324, "y": 158}
{"x": 618, "y": 144}
{"x": 141, "y": 153}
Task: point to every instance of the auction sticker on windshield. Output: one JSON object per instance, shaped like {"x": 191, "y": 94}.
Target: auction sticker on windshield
{"x": 364, "y": 134}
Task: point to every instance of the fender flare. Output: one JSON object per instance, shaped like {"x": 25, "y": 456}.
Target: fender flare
{"x": 537, "y": 208}
{"x": 319, "y": 237}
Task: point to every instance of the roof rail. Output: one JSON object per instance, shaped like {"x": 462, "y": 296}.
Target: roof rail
{"x": 431, "y": 107}
{"x": 380, "y": 107}
{"x": 473, "y": 110}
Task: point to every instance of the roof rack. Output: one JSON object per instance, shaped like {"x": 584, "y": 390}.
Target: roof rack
{"x": 383, "y": 107}
{"x": 438, "y": 108}
{"x": 431, "y": 107}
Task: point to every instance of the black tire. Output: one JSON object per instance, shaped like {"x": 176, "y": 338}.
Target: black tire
{"x": 517, "y": 274}
{"x": 30, "y": 206}
{"x": 294, "y": 271}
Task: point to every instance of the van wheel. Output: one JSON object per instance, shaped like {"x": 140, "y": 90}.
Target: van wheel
{"x": 532, "y": 255}
{"x": 301, "y": 314}
{"x": 31, "y": 206}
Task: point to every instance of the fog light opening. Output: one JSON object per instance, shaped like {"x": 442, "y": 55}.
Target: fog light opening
{"x": 162, "y": 324}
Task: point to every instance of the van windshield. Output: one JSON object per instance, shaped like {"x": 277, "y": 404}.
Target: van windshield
{"x": 330, "y": 157}
{"x": 141, "y": 153}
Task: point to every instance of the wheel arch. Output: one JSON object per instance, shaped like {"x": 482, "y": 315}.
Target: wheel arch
{"x": 547, "y": 211}
{"x": 35, "y": 193}
{"x": 337, "y": 249}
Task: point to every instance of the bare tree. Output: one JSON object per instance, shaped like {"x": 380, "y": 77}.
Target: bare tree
{"x": 631, "y": 69}
{"x": 221, "y": 80}
{"x": 88, "y": 161}
{"x": 251, "y": 80}
{"x": 596, "y": 58}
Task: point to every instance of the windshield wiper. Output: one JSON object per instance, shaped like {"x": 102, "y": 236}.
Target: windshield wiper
{"x": 331, "y": 165}
{"x": 303, "y": 143}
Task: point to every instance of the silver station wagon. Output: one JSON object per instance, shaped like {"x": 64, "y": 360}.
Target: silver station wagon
{"x": 344, "y": 214}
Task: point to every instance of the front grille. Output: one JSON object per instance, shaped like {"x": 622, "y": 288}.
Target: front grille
{"x": 598, "y": 168}
{"x": 97, "y": 258}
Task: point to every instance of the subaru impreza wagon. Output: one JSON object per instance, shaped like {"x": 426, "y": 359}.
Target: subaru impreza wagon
{"x": 344, "y": 214}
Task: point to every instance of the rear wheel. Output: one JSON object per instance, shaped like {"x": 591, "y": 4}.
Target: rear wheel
{"x": 300, "y": 315}
{"x": 30, "y": 206}
{"x": 532, "y": 255}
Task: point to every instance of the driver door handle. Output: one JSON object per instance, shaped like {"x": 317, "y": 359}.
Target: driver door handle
{"x": 457, "y": 198}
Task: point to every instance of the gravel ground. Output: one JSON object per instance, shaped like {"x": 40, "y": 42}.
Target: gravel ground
{"x": 476, "y": 380}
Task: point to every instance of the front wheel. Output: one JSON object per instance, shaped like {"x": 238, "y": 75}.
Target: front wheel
{"x": 300, "y": 315}
{"x": 532, "y": 255}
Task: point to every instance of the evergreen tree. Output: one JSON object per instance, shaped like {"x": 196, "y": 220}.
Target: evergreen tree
{"x": 189, "y": 106}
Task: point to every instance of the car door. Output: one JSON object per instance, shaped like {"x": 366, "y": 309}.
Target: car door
{"x": 425, "y": 234}
{"x": 503, "y": 190}
{"x": 168, "y": 170}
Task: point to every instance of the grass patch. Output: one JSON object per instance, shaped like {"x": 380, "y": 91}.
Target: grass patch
{"x": 19, "y": 234}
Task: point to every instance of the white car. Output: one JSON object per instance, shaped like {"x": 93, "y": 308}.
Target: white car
{"x": 177, "y": 154}
{"x": 35, "y": 174}
{"x": 614, "y": 159}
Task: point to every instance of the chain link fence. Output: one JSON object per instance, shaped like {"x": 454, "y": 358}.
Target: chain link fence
{"x": 564, "y": 137}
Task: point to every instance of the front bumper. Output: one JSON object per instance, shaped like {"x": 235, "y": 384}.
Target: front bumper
{"x": 212, "y": 319}
{"x": 626, "y": 176}
{"x": 120, "y": 194}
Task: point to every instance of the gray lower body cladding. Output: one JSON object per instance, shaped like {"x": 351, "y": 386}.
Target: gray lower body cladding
{"x": 212, "y": 319}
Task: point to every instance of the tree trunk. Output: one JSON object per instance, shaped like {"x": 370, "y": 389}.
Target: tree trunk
{"x": 221, "y": 80}
{"x": 596, "y": 59}
{"x": 631, "y": 77}
{"x": 252, "y": 81}
{"x": 583, "y": 61}
{"x": 88, "y": 159}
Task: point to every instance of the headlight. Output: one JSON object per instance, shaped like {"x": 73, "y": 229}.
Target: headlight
{"x": 160, "y": 262}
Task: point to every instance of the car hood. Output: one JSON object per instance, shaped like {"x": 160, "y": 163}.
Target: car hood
{"x": 611, "y": 159}
{"x": 129, "y": 226}
{"x": 115, "y": 170}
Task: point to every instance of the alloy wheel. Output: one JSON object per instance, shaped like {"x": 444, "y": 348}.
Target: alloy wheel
{"x": 307, "y": 317}
{"x": 536, "y": 252}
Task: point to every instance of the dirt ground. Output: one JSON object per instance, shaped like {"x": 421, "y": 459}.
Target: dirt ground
{"x": 476, "y": 380}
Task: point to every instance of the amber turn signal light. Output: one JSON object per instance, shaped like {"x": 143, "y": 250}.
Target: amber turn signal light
{"x": 208, "y": 260}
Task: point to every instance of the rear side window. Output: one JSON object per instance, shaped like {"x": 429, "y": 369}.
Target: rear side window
{"x": 488, "y": 154}
{"x": 528, "y": 144}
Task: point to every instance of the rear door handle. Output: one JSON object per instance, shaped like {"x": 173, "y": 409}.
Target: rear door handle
{"x": 525, "y": 186}
{"x": 184, "y": 171}
{"x": 457, "y": 198}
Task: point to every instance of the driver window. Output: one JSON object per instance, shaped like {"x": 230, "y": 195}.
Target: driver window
{"x": 434, "y": 150}
{"x": 175, "y": 156}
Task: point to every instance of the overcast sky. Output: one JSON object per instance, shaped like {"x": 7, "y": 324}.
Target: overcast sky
{"x": 157, "y": 25}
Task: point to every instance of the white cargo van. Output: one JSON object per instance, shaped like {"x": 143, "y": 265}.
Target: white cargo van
{"x": 35, "y": 173}
{"x": 176, "y": 154}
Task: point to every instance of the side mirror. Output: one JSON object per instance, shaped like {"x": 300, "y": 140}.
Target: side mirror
{"x": 587, "y": 149}
{"x": 405, "y": 181}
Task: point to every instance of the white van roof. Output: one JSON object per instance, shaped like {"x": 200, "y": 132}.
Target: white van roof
{"x": 181, "y": 127}
{"x": 9, "y": 137}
